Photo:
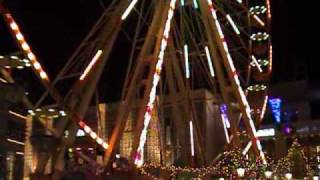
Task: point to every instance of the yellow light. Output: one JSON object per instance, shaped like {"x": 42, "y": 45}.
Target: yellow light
{"x": 105, "y": 145}
{"x": 99, "y": 141}
{"x": 31, "y": 56}
{"x": 19, "y": 36}
{"x": 93, "y": 135}
{"x": 37, "y": 65}
{"x": 25, "y": 46}
{"x": 43, "y": 75}
{"x": 89, "y": 67}
{"x": 14, "y": 26}
{"x": 87, "y": 129}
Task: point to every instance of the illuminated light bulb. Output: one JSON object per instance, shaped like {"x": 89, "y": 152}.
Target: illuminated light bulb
{"x": 20, "y": 67}
{"x": 129, "y": 9}
{"x": 14, "y": 57}
{"x": 240, "y": 172}
{"x": 105, "y": 145}
{"x": 19, "y": 36}
{"x": 268, "y": 174}
{"x": 25, "y": 46}
{"x": 93, "y": 135}
{"x": 89, "y": 67}
{"x": 43, "y": 75}
{"x": 99, "y": 141}
{"x": 31, "y": 56}
{"x": 288, "y": 176}
{"x": 239, "y": 1}
{"x": 37, "y": 65}
{"x": 233, "y": 25}
{"x": 186, "y": 58}
{"x": 209, "y": 61}
{"x": 87, "y": 129}
{"x": 315, "y": 177}
{"x": 14, "y": 26}
{"x": 31, "y": 112}
{"x": 139, "y": 163}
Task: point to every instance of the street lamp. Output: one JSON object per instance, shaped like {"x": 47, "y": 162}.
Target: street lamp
{"x": 268, "y": 174}
{"x": 240, "y": 172}
{"x": 288, "y": 176}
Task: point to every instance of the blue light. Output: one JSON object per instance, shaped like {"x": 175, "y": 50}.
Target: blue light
{"x": 223, "y": 110}
{"x": 275, "y": 104}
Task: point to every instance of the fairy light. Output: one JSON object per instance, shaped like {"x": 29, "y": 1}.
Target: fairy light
{"x": 236, "y": 79}
{"x": 25, "y": 46}
{"x": 191, "y": 138}
{"x": 186, "y": 60}
{"x": 129, "y": 9}
{"x": 91, "y": 64}
{"x": 138, "y": 160}
{"x": 233, "y": 25}
{"x": 256, "y": 63}
{"x": 209, "y": 61}
{"x": 258, "y": 20}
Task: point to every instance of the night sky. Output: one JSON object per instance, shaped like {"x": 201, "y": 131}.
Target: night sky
{"x": 55, "y": 28}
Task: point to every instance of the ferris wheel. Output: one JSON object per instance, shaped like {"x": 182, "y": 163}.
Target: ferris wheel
{"x": 177, "y": 47}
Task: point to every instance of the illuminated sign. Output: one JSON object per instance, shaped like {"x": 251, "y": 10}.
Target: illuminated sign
{"x": 275, "y": 105}
{"x": 266, "y": 132}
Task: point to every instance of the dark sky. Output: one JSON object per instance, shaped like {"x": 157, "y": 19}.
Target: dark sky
{"x": 55, "y": 28}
